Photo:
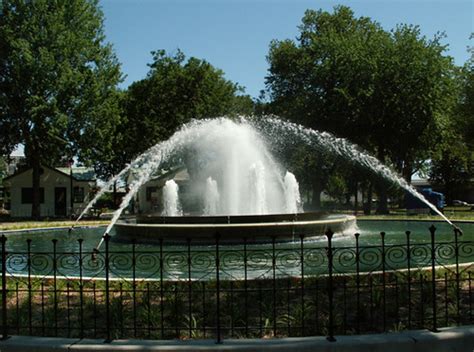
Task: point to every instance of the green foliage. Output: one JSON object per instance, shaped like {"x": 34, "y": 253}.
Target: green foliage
{"x": 453, "y": 163}
{"x": 326, "y": 78}
{"x": 465, "y": 111}
{"x": 57, "y": 74}
{"x": 452, "y": 169}
{"x": 389, "y": 92}
{"x": 175, "y": 91}
{"x": 57, "y": 81}
{"x": 3, "y": 168}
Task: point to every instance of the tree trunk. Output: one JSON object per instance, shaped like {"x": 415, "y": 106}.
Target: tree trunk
{"x": 348, "y": 199}
{"x": 316, "y": 199}
{"x": 115, "y": 195}
{"x": 382, "y": 207}
{"x": 35, "y": 206}
{"x": 407, "y": 171}
{"x": 356, "y": 201}
{"x": 368, "y": 203}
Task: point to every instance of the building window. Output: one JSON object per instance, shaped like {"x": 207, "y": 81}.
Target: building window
{"x": 149, "y": 192}
{"x": 78, "y": 194}
{"x": 27, "y": 195}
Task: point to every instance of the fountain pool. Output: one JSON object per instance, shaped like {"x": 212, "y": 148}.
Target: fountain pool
{"x": 287, "y": 254}
{"x": 233, "y": 174}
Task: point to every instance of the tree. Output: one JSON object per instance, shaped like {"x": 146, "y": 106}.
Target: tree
{"x": 175, "y": 91}
{"x": 57, "y": 81}
{"x": 3, "y": 168}
{"x": 452, "y": 169}
{"x": 414, "y": 97}
{"x": 327, "y": 77}
{"x": 452, "y": 166}
{"x": 349, "y": 76}
{"x": 465, "y": 112}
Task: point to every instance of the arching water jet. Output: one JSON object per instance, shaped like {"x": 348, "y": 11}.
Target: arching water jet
{"x": 230, "y": 148}
{"x": 275, "y": 127}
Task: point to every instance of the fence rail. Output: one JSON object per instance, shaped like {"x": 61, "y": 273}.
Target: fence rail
{"x": 220, "y": 291}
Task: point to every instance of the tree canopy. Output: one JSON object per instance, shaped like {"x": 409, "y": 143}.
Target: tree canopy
{"x": 57, "y": 81}
{"x": 175, "y": 90}
{"x": 349, "y": 76}
{"x": 452, "y": 165}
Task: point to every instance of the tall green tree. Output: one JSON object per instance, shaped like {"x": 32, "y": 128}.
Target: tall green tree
{"x": 452, "y": 169}
{"x": 465, "y": 112}
{"x": 386, "y": 91}
{"x": 57, "y": 81}
{"x": 452, "y": 166}
{"x": 175, "y": 91}
{"x": 3, "y": 168}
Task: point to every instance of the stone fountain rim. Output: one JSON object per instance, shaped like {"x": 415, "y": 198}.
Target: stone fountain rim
{"x": 231, "y": 232}
{"x": 326, "y": 221}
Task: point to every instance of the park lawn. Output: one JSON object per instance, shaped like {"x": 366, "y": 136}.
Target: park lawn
{"x": 452, "y": 213}
{"x": 20, "y": 225}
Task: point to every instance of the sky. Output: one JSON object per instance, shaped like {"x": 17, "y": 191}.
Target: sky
{"x": 234, "y": 35}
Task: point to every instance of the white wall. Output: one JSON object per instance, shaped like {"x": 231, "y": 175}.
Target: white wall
{"x": 155, "y": 204}
{"x": 49, "y": 180}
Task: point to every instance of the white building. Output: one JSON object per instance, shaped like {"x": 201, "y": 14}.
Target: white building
{"x": 149, "y": 197}
{"x": 57, "y": 188}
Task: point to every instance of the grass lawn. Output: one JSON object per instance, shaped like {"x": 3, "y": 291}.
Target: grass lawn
{"x": 18, "y": 225}
{"x": 452, "y": 213}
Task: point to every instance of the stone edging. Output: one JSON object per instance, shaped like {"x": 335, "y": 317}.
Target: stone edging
{"x": 454, "y": 339}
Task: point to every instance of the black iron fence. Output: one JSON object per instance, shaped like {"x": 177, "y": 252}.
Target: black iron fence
{"x": 221, "y": 291}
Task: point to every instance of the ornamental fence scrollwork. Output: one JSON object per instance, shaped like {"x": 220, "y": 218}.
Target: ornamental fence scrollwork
{"x": 191, "y": 290}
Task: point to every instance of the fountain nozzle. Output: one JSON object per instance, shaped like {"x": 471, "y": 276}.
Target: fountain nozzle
{"x": 458, "y": 230}
{"x": 95, "y": 251}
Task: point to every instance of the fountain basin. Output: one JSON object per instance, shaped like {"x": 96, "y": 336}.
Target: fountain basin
{"x": 254, "y": 228}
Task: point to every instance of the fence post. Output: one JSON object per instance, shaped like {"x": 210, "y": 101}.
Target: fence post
{"x": 107, "y": 288}
{"x": 409, "y": 277}
{"x": 162, "y": 292}
{"x": 218, "y": 292}
{"x": 246, "y": 289}
{"x": 384, "y": 289}
{"x": 81, "y": 290}
{"x": 457, "y": 233}
{"x": 4, "y": 289}
{"x": 274, "y": 318}
{"x": 134, "y": 287}
{"x": 330, "y": 287}
{"x": 357, "y": 259}
{"x": 302, "y": 283}
{"x": 55, "y": 286}
{"x": 433, "y": 276}
{"x": 190, "y": 287}
{"x": 30, "y": 302}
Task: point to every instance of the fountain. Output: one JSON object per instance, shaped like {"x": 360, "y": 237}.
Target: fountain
{"x": 211, "y": 197}
{"x": 243, "y": 190}
{"x": 292, "y": 194}
{"x": 171, "y": 205}
{"x": 241, "y": 186}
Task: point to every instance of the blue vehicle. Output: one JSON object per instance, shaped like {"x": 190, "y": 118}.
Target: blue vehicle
{"x": 435, "y": 198}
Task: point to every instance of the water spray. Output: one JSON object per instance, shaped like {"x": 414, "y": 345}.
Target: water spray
{"x": 222, "y": 138}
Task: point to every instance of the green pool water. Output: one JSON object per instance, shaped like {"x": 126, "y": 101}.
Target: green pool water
{"x": 266, "y": 260}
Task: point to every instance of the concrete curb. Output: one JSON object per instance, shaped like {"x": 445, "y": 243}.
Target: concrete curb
{"x": 457, "y": 339}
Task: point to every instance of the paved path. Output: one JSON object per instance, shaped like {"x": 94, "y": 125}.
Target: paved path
{"x": 459, "y": 339}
